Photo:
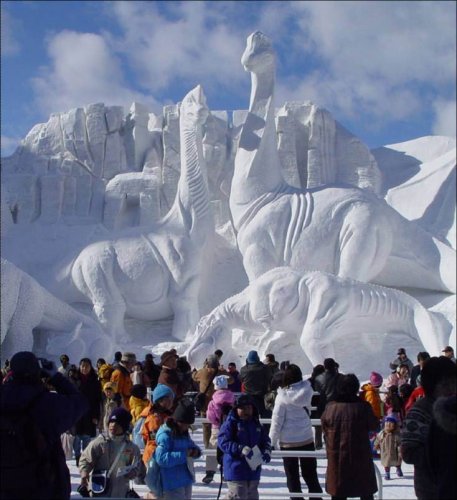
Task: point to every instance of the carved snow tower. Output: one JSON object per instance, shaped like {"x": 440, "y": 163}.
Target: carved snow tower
{"x": 154, "y": 272}
{"x": 345, "y": 231}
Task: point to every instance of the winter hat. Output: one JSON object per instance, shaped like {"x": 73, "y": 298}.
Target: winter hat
{"x": 166, "y": 356}
{"x": 185, "y": 411}
{"x": 109, "y": 385}
{"x": 122, "y": 417}
{"x": 220, "y": 382}
{"x": 375, "y": 379}
{"x": 401, "y": 351}
{"x": 244, "y": 400}
{"x": 128, "y": 356}
{"x": 24, "y": 366}
{"x": 391, "y": 418}
{"x": 161, "y": 391}
{"x": 138, "y": 391}
{"x": 252, "y": 358}
{"x": 212, "y": 361}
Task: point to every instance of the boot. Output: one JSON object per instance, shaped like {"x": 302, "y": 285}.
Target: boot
{"x": 399, "y": 472}
{"x": 209, "y": 477}
{"x": 387, "y": 475}
{"x": 77, "y": 461}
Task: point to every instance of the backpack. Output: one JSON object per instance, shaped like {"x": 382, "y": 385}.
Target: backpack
{"x": 137, "y": 437}
{"x": 24, "y": 456}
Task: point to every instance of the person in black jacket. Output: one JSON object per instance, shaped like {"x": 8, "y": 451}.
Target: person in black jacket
{"x": 53, "y": 413}
{"x": 256, "y": 377}
{"x": 86, "y": 426}
{"x": 421, "y": 359}
{"x": 325, "y": 383}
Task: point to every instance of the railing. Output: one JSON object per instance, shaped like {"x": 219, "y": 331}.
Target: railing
{"x": 318, "y": 454}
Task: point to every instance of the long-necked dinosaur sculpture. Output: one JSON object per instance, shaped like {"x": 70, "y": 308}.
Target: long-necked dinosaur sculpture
{"x": 346, "y": 231}
{"x": 152, "y": 273}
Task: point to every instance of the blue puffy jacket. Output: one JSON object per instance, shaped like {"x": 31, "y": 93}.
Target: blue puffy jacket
{"x": 233, "y": 436}
{"x": 171, "y": 456}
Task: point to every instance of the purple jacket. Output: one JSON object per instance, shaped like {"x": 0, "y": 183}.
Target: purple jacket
{"x": 214, "y": 411}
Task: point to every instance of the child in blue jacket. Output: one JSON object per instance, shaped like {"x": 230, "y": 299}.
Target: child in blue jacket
{"x": 175, "y": 452}
{"x": 240, "y": 432}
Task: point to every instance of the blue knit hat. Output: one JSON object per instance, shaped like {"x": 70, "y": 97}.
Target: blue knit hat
{"x": 161, "y": 391}
{"x": 391, "y": 418}
{"x": 252, "y": 357}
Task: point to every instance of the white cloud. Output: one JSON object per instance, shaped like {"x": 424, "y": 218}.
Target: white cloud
{"x": 9, "y": 26}
{"x": 445, "y": 115}
{"x": 82, "y": 70}
{"x": 195, "y": 42}
{"x": 382, "y": 58}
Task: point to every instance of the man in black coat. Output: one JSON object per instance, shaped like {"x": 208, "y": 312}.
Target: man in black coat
{"x": 325, "y": 384}
{"x": 256, "y": 377}
{"x": 53, "y": 413}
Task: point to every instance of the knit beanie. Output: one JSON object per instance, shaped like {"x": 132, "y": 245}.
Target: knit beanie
{"x": 109, "y": 385}
{"x": 122, "y": 417}
{"x": 167, "y": 355}
{"x": 220, "y": 382}
{"x": 244, "y": 400}
{"x": 391, "y": 418}
{"x": 375, "y": 379}
{"x": 25, "y": 367}
{"x": 138, "y": 391}
{"x": 185, "y": 411}
{"x": 252, "y": 358}
{"x": 161, "y": 391}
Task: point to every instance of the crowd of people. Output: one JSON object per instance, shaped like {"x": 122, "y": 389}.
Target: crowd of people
{"x": 117, "y": 419}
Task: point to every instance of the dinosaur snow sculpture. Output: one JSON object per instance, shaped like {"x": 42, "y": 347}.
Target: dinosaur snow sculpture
{"x": 318, "y": 308}
{"x": 342, "y": 230}
{"x": 154, "y": 272}
{"x": 26, "y": 305}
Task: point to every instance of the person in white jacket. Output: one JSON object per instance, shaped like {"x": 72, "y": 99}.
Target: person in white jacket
{"x": 291, "y": 429}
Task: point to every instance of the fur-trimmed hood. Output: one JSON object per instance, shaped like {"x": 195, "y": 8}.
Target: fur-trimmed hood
{"x": 444, "y": 411}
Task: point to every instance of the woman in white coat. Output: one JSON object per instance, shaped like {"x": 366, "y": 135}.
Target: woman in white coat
{"x": 291, "y": 429}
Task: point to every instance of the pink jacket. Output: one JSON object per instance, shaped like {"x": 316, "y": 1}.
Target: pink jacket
{"x": 220, "y": 397}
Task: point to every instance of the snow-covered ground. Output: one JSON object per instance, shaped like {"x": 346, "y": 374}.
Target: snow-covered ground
{"x": 273, "y": 480}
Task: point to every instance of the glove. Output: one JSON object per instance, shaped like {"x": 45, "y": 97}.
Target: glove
{"x": 247, "y": 452}
{"x": 48, "y": 368}
{"x": 266, "y": 457}
{"x": 83, "y": 491}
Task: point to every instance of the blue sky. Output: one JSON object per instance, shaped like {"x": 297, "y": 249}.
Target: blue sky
{"x": 385, "y": 70}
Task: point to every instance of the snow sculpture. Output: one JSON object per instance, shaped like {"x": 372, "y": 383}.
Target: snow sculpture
{"x": 342, "y": 230}
{"x": 152, "y": 273}
{"x": 318, "y": 309}
{"x": 26, "y": 306}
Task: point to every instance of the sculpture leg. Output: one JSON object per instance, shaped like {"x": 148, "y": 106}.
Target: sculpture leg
{"x": 186, "y": 310}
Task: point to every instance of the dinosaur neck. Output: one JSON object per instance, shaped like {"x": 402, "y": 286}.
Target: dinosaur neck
{"x": 257, "y": 165}
{"x": 192, "y": 200}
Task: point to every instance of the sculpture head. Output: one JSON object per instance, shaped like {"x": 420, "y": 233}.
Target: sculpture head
{"x": 259, "y": 55}
{"x": 194, "y": 108}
